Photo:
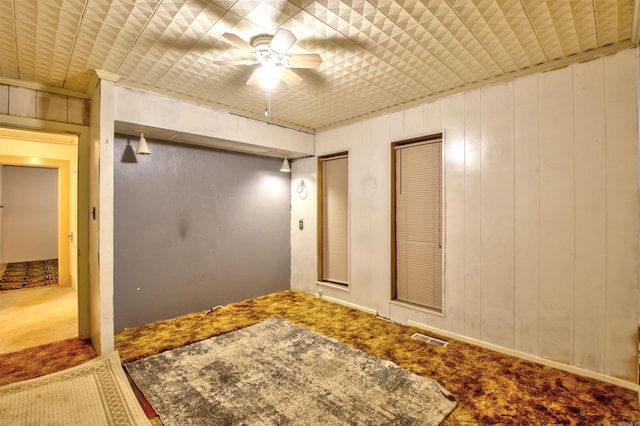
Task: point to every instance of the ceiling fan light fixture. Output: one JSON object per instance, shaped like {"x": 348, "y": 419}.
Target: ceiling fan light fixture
{"x": 268, "y": 75}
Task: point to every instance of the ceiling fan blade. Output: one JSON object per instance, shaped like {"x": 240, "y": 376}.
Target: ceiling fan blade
{"x": 237, "y": 41}
{"x": 290, "y": 78}
{"x": 235, "y": 62}
{"x": 282, "y": 40}
{"x": 304, "y": 60}
{"x": 253, "y": 80}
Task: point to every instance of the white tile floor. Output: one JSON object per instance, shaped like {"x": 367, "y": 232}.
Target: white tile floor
{"x": 35, "y": 316}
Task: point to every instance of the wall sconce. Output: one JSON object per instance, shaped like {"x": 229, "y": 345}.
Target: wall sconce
{"x": 285, "y": 166}
{"x": 143, "y": 148}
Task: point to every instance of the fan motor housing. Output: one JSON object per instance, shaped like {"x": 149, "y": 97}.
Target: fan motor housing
{"x": 261, "y": 41}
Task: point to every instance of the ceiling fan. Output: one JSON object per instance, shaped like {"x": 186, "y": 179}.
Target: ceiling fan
{"x": 270, "y": 54}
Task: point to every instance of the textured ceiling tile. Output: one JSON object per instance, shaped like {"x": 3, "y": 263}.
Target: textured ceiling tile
{"x": 309, "y": 30}
{"x": 614, "y": 21}
{"x": 419, "y": 74}
{"x": 347, "y": 16}
{"x": 47, "y": 17}
{"x": 156, "y": 26}
{"x": 265, "y": 14}
{"x": 561, "y": 14}
{"x": 398, "y": 47}
{"x": 585, "y": 24}
{"x": 376, "y": 54}
{"x": 491, "y": 28}
{"x": 542, "y": 21}
{"x": 386, "y": 26}
{"x": 199, "y": 65}
{"x": 104, "y": 34}
{"x": 527, "y": 47}
{"x": 88, "y": 56}
{"x": 458, "y": 51}
{"x": 338, "y": 75}
{"x": 6, "y": 10}
{"x": 208, "y": 86}
{"x": 115, "y": 14}
{"x": 8, "y": 53}
{"x": 207, "y": 18}
{"x": 148, "y": 71}
{"x": 336, "y": 49}
{"x": 406, "y": 15}
{"x": 625, "y": 16}
{"x": 362, "y": 32}
{"x": 322, "y": 13}
{"x": 74, "y": 6}
{"x": 172, "y": 9}
{"x": 360, "y": 64}
{"x": 150, "y": 5}
{"x": 388, "y": 78}
{"x": 179, "y": 81}
{"x": 44, "y": 54}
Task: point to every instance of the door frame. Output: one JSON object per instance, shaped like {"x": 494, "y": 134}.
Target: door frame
{"x": 60, "y": 149}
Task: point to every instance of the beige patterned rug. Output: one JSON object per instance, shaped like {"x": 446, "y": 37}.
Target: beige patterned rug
{"x": 94, "y": 393}
{"x": 276, "y": 372}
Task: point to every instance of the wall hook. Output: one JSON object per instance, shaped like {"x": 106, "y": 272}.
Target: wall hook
{"x": 302, "y": 190}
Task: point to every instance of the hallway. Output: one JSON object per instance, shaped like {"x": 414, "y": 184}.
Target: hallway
{"x": 35, "y": 316}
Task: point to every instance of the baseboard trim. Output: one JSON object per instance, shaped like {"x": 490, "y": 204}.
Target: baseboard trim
{"x": 523, "y": 355}
{"x": 350, "y": 305}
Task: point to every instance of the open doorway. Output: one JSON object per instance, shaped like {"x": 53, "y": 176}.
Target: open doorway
{"x": 35, "y": 165}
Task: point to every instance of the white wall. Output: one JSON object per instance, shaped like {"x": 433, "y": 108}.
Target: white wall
{"x": 541, "y": 213}
{"x": 30, "y": 225}
{"x": 101, "y": 184}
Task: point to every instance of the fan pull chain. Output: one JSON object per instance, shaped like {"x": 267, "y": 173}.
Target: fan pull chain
{"x": 267, "y": 110}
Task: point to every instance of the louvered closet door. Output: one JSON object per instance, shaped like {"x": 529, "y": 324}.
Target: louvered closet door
{"x": 419, "y": 223}
{"x": 335, "y": 226}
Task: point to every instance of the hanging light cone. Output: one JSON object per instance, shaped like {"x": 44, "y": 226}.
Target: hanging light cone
{"x": 143, "y": 148}
{"x": 285, "y": 166}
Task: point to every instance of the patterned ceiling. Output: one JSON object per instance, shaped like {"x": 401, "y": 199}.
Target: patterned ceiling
{"x": 377, "y": 56}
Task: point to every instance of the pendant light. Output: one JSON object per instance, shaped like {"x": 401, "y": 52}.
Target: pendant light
{"x": 285, "y": 166}
{"x": 143, "y": 148}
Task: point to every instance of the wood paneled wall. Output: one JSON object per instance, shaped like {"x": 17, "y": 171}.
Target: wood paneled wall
{"x": 32, "y": 103}
{"x": 541, "y": 222}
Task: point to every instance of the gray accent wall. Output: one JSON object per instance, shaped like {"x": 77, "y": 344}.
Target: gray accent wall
{"x": 195, "y": 228}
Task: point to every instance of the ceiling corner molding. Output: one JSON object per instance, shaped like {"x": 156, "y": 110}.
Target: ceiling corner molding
{"x": 106, "y": 75}
{"x": 97, "y": 76}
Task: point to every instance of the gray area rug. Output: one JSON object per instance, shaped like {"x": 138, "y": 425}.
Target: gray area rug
{"x": 278, "y": 373}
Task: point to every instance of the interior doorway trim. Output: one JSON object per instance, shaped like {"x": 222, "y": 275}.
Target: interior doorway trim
{"x": 60, "y": 146}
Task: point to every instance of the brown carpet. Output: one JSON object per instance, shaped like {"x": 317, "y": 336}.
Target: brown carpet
{"x": 490, "y": 388}
{"x": 35, "y": 362}
{"x": 35, "y": 273}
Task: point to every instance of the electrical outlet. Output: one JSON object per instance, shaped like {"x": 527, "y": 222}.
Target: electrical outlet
{"x": 301, "y": 224}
